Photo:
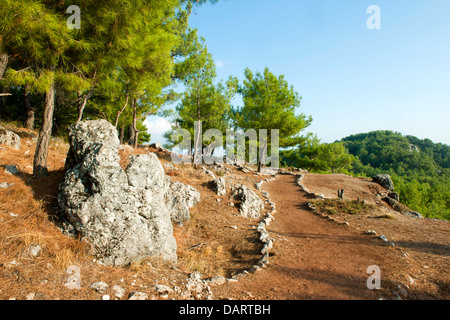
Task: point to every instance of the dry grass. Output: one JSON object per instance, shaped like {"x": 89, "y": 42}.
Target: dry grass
{"x": 206, "y": 243}
{"x": 334, "y": 206}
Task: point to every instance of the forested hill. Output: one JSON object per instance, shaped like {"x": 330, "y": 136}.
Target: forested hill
{"x": 419, "y": 168}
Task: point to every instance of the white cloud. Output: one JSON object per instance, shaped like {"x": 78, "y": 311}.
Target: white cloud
{"x": 220, "y": 63}
{"x": 157, "y": 125}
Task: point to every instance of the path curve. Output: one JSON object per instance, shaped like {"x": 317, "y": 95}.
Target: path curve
{"x": 312, "y": 257}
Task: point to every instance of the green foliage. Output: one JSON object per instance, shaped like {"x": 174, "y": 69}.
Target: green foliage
{"x": 126, "y": 50}
{"x": 270, "y": 103}
{"x": 313, "y": 156}
{"x": 334, "y": 157}
{"x": 420, "y": 169}
{"x": 203, "y": 100}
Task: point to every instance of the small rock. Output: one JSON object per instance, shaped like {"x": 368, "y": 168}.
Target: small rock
{"x": 216, "y": 280}
{"x": 138, "y": 296}
{"x": 100, "y": 287}
{"x": 11, "y": 169}
{"x": 106, "y": 297}
{"x": 254, "y": 269}
{"x": 155, "y": 145}
{"x": 394, "y": 195}
{"x": 163, "y": 289}
{"x": 9, "y": 138}
{"x": 34, "y": 250}
{"x": 197, "y": 288}
{"x": 250, "y": 203}
{"x": 411, "y": 281}
{"x": 12, "y": 263}
{"x": 6, "y": 185}
{"x": 233, "y": 227}
{"x": 30, "y": 296}
{"x": 118, "y": 291}
{"x": 219, "y": 186}
{"x": 413, "y": 214}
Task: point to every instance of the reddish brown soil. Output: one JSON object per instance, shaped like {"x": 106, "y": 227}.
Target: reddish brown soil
{"x": 425, "y": 241}
{"x": 315, "y": 258}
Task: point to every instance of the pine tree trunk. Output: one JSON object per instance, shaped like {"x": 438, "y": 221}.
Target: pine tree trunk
{"x": 262, "y": 157}
{"x": 81, "y": 106}
{"x": 131, "y": 135}
{"x": 121, "y": 134}
{"x": 198, "y": 142}
{"x": 135, "y": 129}
{"x": 41, "y": 154}
{"x": 116, "y": 123}
{"x": 30, "y": 110}
{"x": 3, "y": 63}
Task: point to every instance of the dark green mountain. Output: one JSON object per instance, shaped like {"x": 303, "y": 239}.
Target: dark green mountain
{"x": 419, "y": 168}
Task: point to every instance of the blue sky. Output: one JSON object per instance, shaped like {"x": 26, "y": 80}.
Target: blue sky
{"x": 351, "y": 79}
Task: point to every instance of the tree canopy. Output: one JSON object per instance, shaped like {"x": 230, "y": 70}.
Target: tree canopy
{"x": 271, "y": 104}
{"x": 119, "y": 65}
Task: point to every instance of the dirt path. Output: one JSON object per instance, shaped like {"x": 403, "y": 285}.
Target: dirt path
{"x": 313, "y": 258}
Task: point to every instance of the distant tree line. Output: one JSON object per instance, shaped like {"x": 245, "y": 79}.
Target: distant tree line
{"x": 420, "y": 169}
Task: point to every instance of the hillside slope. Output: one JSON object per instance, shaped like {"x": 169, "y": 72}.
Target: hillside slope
{"x": 420, "y": 168}
{"x": 313, "y": 257}
{"x": 327, "y": 257}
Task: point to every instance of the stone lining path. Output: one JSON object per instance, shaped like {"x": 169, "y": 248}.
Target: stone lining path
{"x": 312, "y": 257}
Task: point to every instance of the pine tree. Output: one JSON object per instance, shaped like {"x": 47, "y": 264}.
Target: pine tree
{"x": 38, "y": 39}
{"x": 132, "y": 41}
{"x": 270, "y": 103}
{"x": 204, "y": 101}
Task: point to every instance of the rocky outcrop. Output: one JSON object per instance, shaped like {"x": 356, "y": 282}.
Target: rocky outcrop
{"x": 155, "y": 145}
{"x": 179, "y": 199}
{"x": 385, "y": 181}
{"x": 413, "y": 214}
{"x": 250, "y": 205}
{"x": 9, "y": 139}
{"x": 219, "y": 186}
{"x": 124, "y": 214}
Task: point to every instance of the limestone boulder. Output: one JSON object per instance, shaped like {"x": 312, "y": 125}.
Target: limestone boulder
{"x": 9, "y": 139}
{"x": 122, "y": 213}
{"x": 250, "y": 205}
{"x": 385, "y": 181}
